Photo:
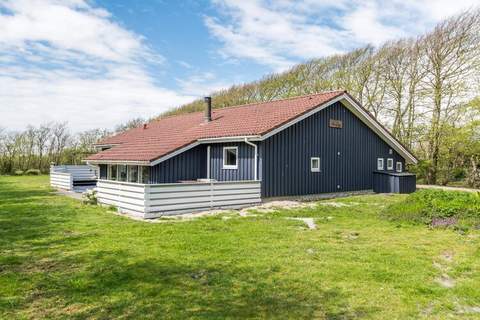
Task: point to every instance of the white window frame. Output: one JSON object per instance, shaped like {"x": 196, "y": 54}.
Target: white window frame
{"x": 382, "y": 166}
{"x": 399, "y": 166}
{"x": 109, "y": 172}
{"x": 128, "y": 173}
{"x": 389, "y": 164}
{"x": 140, "y": 174}
{"x": 118, "y": 172}
{"x": 226, "y": 166}
{"x": 312, "y": 168}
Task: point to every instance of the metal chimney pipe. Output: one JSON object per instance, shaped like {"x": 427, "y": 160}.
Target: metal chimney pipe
{"x": 208, "y": 109}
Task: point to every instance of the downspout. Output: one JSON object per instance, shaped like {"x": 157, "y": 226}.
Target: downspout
{"x": 255, "y": 147}
{"x": 208, "y": 162}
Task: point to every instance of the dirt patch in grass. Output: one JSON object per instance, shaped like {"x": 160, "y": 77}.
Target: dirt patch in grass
{"x": 310, "y": 222}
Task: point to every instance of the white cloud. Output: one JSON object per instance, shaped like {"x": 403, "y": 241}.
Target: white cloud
{"x": 275, "y": 35}
{"x": 69, "y": 61}
{"x": 201, "y": 84}
{"x": 71, "y": 27}
{"x": 281, "y": 33}
{"x": 84, "y": 102}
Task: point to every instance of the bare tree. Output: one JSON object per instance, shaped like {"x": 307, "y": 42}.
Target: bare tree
{"x": 41, "y": 139}
{"x": 133, "y": 123}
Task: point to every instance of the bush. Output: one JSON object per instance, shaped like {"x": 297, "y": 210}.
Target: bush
{"x": 90, "y": 197}
{"x": 434, "y": 207}
{"x": 33, "y": 172}
{"x": 18, "y": 172}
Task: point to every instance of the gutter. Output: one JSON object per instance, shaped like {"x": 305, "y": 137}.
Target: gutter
{"x": 255, "y": 148}
{"x": 126, "y": 162}
{"x": 229, "y": 139}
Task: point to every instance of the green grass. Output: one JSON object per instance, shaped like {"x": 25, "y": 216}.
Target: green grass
{"x": 424, "y": 206}
{"x": 60, "y": 259}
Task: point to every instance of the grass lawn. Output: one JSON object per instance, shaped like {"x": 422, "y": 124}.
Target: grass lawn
{"x": 62, "y": 259}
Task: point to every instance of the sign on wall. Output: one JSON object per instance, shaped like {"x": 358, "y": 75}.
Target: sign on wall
{"x": 335, "y": 124}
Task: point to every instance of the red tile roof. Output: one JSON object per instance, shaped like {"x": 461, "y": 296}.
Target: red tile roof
{"x": 164, "y": 136}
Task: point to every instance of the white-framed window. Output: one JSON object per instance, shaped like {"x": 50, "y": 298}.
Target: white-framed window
{"x": 122, "y": 173}
{"x": 399, "y": 166}
{"x": 380, "y": 164}
{"x": 144, "y": 174}
{"x": 112, "y": 172}
{"x": 315, "y": 164}
{"x": 230, "y": 157}
{"x": 389, "y": 164}
{"x": 133, "y": 174}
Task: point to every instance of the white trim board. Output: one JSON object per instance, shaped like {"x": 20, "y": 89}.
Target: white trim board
{"x": 126, "y": 162}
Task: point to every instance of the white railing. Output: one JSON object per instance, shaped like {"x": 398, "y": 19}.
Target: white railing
{"x": 61, "y": 180}
{"x": 64, "y": 176}
{"x": 126, "y": 197}
{"x": 150, "y": 201}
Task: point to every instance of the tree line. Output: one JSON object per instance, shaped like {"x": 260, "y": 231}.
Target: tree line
{"x": 424, "y": 89}
{"x": 36, "y": 148}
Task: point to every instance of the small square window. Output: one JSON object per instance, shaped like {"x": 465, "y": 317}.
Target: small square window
{"x": 315, "y": 164}
{"x": 399, "y": 167}
{"x": 230, "y": 157}
{"x": 389, "y": 164}
{"x": 380, "y": 164}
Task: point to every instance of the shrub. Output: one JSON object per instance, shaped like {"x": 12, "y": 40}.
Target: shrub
{"x": 33, "y": 172}
{"x": 437, "y": 208}
{"x": 90, "y": 197}
{"x": 18, "y": 172}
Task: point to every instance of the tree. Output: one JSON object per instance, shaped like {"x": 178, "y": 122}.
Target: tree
{"x": 130, "y": 124}
{"x": 451, "y": 57}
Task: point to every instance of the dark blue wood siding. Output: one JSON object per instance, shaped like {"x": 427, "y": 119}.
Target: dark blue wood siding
{"x": 245, "y": 169}
{"x": 192, "y": 165}
{"x": 189, "y": 165}
{"x": 348, "y": 155}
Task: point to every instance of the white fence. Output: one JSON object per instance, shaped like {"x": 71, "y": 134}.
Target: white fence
{"x": 64, "y": 177}
{"x": 150, "y": 201}
{"x": 61, "y": 180}
{"x": 127, "y": 197}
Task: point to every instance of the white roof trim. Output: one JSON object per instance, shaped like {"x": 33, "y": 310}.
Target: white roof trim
{"x": 362, "y": 115}
{"x": 132, "y": 163}
{"x": 229, "y": 139}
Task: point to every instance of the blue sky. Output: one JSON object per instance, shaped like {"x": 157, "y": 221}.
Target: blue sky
{"x": 96, "y": 63}
{"x": 177, "y": 30}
